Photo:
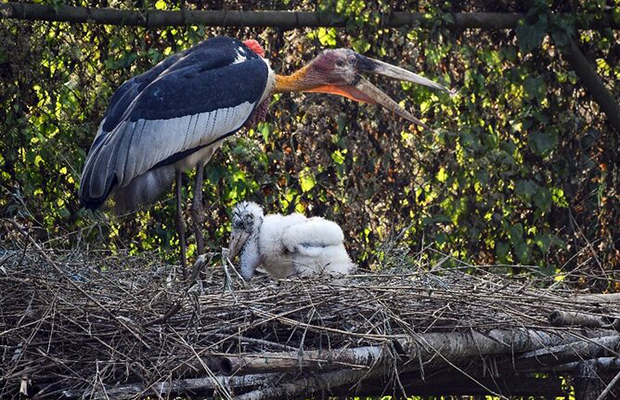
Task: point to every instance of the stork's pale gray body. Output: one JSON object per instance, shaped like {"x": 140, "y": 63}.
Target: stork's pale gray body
{"x": 287, "y": 245}
{"x": 174, "y": 116}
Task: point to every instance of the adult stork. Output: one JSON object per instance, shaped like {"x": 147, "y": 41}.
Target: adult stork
{"x": 174, "y": 116}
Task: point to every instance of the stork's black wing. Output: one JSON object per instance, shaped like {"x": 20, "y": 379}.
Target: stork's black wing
{"x": 186, "y": 102}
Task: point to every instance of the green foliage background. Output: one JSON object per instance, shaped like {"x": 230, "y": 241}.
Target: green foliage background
{"x": 522, "y": 168}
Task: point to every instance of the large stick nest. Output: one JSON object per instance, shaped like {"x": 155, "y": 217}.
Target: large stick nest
{"x": 77, "y": 323}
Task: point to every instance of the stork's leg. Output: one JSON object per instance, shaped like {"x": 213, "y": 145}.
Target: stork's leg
{"x": 198, "y": 212}
{"x": 180, "y": 225}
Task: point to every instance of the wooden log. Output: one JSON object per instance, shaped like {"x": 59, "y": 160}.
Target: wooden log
{"x": 562, "y": 318}
{"x": 276, "y": 19}
{"x": 361, "y": 357}
{"x": 605, "y": 363}
{"x": 457, "y": 347}
{"x": 593, "y": 84}
{"x": 308, "y": 385}
{"x": 565, "y": 353}
{"x": 190, "y": 386}
{"x": 600, "y": 298}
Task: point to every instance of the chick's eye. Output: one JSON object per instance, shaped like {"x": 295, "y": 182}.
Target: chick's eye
{"x": 340, "y": 63}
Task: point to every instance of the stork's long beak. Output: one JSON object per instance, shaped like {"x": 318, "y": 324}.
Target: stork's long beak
{"x": 378, "y": 97}
{"x": 367, "y": 64}
{"x": 237, "y": 240}
{"x": 364, "y": 91}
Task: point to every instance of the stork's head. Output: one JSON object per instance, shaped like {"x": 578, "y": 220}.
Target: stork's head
{"x": 246, "y": 221}
{"x": 339, "y": 72}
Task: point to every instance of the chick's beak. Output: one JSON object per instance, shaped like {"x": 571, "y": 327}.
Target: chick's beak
{"x": 237, "y": 240}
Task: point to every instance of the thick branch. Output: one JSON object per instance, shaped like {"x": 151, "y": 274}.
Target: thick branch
{"x": 198, "y": 385}
{"x": 604, "y": 363}
{"x": 566, "y": 353}
{"x": 593, "y": 84}
{"x": 276, "y": 19}
{"x": 463, "y": 346}
{"x": 361, "y": 357}
{"x": 563, "y": 318}
{"x": 599, "y": 298}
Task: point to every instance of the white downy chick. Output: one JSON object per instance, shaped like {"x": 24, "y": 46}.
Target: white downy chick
{"x": 284, "y": 246}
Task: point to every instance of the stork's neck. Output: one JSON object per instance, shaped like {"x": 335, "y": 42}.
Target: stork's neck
{"x": 300, "y": 81}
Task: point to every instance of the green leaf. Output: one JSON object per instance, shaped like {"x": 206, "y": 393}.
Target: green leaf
{"x": 338, "y": 156}
{"x": 516, "y": 234}
{"x": 361, "y": 45}
{"x": 64, "y": 213}
{"x": 264, "y": 129}
{"x": 523, "y": 252}
{"x": 154, "y": 55}
{"x": 525, "y": 189}
{"x": 441, "y": 238}
{"x": 442, "y": 175}
{"x": 126, "y": 60}
{"x": 542, "y": 142}
{"x": 560, "y": 38}
{"x": 543, "y": 199}
{"x": 443, "y": 218}
{"x": 543, "y": 242}
{"x": 342, "y": 124}
{"x": 306, "y": 180}
{"x": 530, "y": 36}
{"x": 327, "y": 36}
{"x": 501, "y": 251}
{"x": 535, "y": 88}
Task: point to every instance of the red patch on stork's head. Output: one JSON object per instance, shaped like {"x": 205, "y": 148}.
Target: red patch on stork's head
{"x": 255, "y": 47}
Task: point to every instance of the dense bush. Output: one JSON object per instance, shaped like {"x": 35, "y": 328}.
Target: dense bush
{"x": 521, "y": 168}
